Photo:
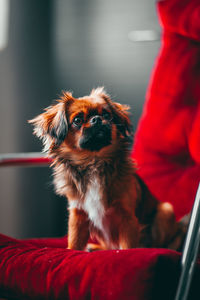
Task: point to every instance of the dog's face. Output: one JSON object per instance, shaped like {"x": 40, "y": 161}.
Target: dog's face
{"x": 91, "y": 123}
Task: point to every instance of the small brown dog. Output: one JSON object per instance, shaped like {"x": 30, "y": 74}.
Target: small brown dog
{"x": 89, "y": 140}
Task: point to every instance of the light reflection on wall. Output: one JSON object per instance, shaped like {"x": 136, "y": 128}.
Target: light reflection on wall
{"x": 4, "y": 23}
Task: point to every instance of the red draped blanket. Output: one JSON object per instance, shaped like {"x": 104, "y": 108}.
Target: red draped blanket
{"x": 167, "y": 141}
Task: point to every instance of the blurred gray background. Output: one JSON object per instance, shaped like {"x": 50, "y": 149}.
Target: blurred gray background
{"x": 48, "y": 46}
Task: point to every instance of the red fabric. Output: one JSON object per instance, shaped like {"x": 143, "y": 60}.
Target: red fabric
{"x": 45, "y": 269}
{"x": 167, "y": 141}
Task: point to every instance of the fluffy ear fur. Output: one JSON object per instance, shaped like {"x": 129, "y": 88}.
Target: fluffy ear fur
{"x": 120, "y": 113}
{"x": 121, "y": 119}
{"x": 51, "y": 126}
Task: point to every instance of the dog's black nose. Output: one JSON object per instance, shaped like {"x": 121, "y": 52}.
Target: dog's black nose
{"x": 96, "y": 120}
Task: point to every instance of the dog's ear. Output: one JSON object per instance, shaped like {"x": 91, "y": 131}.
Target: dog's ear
{"x": 52, "y": 126}
{"x": 120, "y": 116}
{"x": 121, "y": 119}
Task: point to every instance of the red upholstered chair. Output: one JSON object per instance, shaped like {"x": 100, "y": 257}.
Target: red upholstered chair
{"x": 166, "y": 148}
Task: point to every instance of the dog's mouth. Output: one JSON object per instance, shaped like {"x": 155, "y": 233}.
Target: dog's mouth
{"x": 95, "y": 138}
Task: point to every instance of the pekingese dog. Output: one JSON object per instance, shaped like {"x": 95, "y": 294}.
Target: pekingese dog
{"x": 88, "y": 139}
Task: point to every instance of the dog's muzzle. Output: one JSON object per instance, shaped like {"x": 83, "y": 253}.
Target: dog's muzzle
{"x": 97, "y": 136}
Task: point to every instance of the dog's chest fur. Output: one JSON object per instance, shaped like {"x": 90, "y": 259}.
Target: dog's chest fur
{"x": 93, "y": 203}
{"x": 89, "y": 188}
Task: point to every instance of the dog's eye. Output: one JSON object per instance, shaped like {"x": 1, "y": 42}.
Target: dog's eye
{"x": 77, "y": 121}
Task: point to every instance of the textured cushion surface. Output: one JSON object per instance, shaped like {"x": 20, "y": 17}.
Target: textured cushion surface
{"x": 45, "y": 269}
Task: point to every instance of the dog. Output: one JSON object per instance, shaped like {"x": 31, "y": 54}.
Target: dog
{"x": 89, "y": 140}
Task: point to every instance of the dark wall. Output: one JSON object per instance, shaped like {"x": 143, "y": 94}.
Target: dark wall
{"x": 28, "y": 205}
{"x": 53, "y": 45}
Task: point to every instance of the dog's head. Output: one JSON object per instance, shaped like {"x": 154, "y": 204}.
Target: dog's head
{"x": 90, "y": 123}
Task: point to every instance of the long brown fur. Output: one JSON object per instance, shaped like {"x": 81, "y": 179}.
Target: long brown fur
{"x": 104, "y": 194}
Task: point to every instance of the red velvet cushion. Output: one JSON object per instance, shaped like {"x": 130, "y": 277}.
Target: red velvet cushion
{"x": 167, "y": 141}
{"x": 45, "y": 269}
